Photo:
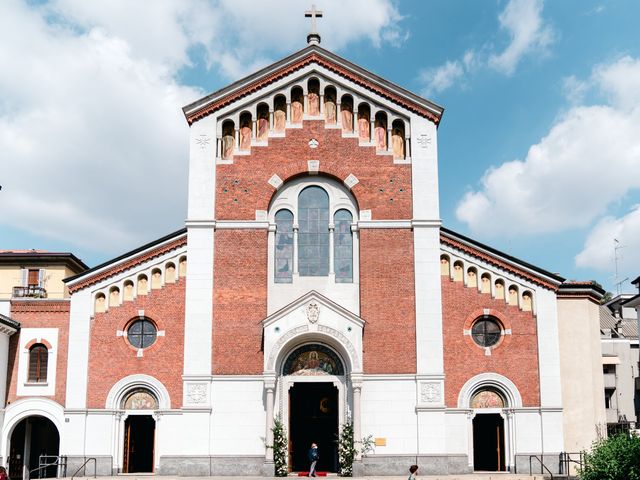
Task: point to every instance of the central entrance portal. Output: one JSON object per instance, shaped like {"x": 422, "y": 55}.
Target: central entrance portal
{"x": 139, "y": 435}
{"x": 313, "y": 417}
{"x": 488, "y": 442}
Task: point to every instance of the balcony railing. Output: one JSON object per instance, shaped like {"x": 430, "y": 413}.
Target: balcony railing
{"x": 31, "y": 291}
{"x": 609, "y": 380}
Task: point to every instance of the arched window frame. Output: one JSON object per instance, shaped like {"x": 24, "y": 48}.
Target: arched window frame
{"x": 38, "y": 363}
{"x": 340, "y": 198}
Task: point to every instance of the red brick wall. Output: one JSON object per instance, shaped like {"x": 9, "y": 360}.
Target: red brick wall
{"x": 40, "y": 314}
{"x": 516, "y": 357}
{"x": 242, "y": 187}
{"x": 387, "y": 300}
{"x": 239, "y": 301}
{"x": 112, "y": 358}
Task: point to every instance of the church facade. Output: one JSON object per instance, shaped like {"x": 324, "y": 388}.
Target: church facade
{"x": 313, "y": 284}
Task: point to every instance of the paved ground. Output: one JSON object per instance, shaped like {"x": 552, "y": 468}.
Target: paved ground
{"x": 475, "y": 476}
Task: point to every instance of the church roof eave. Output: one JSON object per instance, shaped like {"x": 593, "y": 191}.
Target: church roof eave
{"x": 313, "y": 53}
{"x": 126, "y": 260}
{"x": 520, "y": 267}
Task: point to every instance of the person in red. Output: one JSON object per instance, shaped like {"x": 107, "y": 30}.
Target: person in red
{"x": 3, "y": 474}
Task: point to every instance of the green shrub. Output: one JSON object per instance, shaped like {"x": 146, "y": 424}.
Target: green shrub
{"x": 613, "y": 458}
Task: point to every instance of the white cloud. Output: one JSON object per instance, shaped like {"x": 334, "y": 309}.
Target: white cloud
{"x": 438, "y": 79}
{"x": 588, "y": 161}
{"x": 528, "y": 33}
{"x": 522, "y": 19}
{"x": 598, "y": 250}
{"x": 93, "y": 140}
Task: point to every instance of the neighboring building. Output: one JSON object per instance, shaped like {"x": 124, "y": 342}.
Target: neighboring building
{"x": 320, "y": 288}
{"x": 619, "y": 329}
{"x": 634, "y": 303}
{"x": 34, "y": 301}
{"x": 581, "y": 364}
{"x": 36, "y": 273}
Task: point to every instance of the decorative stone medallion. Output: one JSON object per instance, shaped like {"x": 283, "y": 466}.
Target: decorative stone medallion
{"x": 313, "y": 312}
{"x": 203, "y": 141}
{"x": 351, "y": 181}
{"x": 430, "y": 392}
{"x": 424, "y": 141}
{"x": 313, "y": 143}
{"x": 196, "y": 393}
{"x": 275, "y": 181}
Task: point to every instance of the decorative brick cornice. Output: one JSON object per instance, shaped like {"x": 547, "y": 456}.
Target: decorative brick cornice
{"x": 126, "y": 265}
{"x": 496, "y": 262}
{"x": 40, "y": 306}
{"x": 312, "y": 57}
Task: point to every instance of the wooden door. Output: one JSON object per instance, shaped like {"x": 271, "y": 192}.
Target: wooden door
{"x": 127, "y": 440}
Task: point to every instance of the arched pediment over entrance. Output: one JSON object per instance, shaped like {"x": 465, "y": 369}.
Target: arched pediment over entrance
{"x": 313, "y": 318}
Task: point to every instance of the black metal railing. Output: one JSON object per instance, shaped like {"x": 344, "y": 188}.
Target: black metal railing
{"x": 95, "y": 467}
{"x": 48, "y": 461}
{"x": 33, "y": 291}
{"x": 567, "y": 458}
{"x": 542, "y": 466}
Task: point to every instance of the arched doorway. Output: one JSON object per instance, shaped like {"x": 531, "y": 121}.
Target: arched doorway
{"x": 33, "y": 439}
{"x": 139, "y": 431}
{"x": 312, "y": 372}
{"x": 488, "y": 431}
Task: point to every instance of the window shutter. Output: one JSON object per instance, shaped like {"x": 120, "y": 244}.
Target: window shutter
{"x": 41, "y": 277}
{"x": 38, "y": 361}
{"x": 25, "y": 277}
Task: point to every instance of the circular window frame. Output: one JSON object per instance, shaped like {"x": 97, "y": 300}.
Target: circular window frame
{"x": 486, "y": 319}
{"x": 142, "y": 320}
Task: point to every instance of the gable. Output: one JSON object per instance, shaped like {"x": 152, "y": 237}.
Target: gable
{"x": 317, "y": 57}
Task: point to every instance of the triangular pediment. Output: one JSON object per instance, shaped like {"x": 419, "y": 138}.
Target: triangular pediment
{"x": 312, "y": 55}
{"x": 306, "y": 303}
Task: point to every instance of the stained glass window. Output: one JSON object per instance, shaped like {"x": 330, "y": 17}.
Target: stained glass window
{"x": 343, "y": 247}
{"x": 313, "y": 236}
{"x": 284, "y": 247}
{"x": 486, "y": 332}
{"x": 142, "y": 333}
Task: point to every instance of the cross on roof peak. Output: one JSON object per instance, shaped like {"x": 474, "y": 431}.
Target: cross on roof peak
{"x": 314, "y": 36}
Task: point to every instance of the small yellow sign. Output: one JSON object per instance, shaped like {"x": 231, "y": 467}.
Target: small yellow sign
{"x": 381, "y": 442}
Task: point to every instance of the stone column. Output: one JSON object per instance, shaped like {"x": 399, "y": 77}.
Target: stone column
{"x": 331, "y": 240}
{"x": 389, "y": 147}
{"x": 372, "y": 130}
{"x": 254, "y": 128}
{"x": 321, "y": 104}
{"x": 295, "y": 248}
{"x": 407, "y": 152}
{"x": 271, "y": 125}
{"x": 288, "y": 112}
{"x": 237, "y": 135}
{"x": 338, "y": 114}
{"x": 270, "y": 388}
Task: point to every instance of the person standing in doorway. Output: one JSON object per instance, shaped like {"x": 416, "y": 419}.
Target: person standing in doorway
{"x": 313, "y": 459}
{"x": 413, "y": 472}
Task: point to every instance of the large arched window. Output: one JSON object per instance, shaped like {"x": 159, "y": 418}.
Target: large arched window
{"x": 343, "y": 247}
{"x": 284, "y": 247}
{"x": 38, "y": 361}
{"x": 313, "y": 237}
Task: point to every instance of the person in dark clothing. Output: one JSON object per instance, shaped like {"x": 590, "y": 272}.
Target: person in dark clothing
{"x": 313, "y": 459}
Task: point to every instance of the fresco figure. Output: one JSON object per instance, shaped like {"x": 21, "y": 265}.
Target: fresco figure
{"x": 397, "y": 142}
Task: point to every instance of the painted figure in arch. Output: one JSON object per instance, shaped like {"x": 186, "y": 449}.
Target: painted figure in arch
{"x": 314, "y": 103}
{"x": 397, "y": 142}
{"x": 363, "y": 127}
{"x": 296, "y": 110}
{"x": 228, "y": 141}
{"x": 245, "y": 134}
{"x": 330, "y": 113}
{"x": 279, "y": 120}
{"x": 263, "y": 125}
{"x": 346, "y": 115}
{"x": 380, "y": 135}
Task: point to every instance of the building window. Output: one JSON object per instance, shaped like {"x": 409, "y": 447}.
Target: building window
{"x": 313, "y": 238}
{"x": 486, "y": 332}
{"x": 343, "y": 246}
{"x": 38, "y": 361}
{"x": 284, "y": 247}
{"x": 608, "y": 397}
{"x": 142, "y": 333}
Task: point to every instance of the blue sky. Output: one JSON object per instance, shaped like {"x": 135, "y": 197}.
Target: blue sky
{"x": 539, "y": 146}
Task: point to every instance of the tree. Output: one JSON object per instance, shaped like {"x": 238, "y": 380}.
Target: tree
{"x": 613, "y": 458}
